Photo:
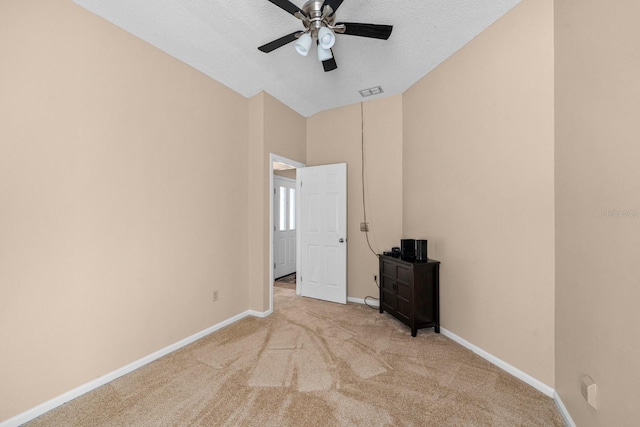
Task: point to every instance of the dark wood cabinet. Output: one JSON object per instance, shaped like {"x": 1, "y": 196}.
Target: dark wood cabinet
{"x": 410, "y": 291}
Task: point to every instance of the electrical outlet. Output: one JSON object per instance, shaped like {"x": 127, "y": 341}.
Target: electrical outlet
{"x": 364, "y": 226}
{"x": 589, "y": 391}
{"x": 215, "y": 296}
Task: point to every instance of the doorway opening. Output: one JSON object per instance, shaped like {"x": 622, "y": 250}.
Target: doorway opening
{"x": 284, "y": 216}
{"x": 284, "y": 227}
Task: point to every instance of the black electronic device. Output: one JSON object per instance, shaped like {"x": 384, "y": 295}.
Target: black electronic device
{"x": 394, "y": 252}
{"x": 421, "y": 251}
{"x": 408, "y": 250}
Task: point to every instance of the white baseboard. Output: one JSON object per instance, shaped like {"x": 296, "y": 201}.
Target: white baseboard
{"x": 261, "y": 314}
{"x": 533, "y": 382}
{"x": 373, "y": 302}
{"x": 92, "y": 385}
{"x": 563, "y": 410}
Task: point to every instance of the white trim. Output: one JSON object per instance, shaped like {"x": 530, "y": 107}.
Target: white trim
{"x": 533, "y": 382}
{"x": 375, "y": 303}
{"x": 563, "y": 410}
{"x": 260, "y": 314}
{"x": 92, "y": 385}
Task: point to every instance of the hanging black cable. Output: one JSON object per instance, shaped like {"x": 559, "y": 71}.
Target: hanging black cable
{"x": 364, "y": 205}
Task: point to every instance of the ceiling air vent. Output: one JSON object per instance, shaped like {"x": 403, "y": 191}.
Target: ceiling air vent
{"x": 371, "y": 91}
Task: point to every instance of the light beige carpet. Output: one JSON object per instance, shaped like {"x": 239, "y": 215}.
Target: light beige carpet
{"x": 314, "y": 363}
{"x": 288, "y": 282}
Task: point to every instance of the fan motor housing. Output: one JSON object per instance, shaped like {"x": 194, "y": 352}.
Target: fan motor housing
{"x": 315, "y": 18}
{"x": 313, "y": 8}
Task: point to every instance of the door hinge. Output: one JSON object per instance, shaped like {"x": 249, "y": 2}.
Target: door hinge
{"x": 274, "y": 265}
{"x": 274, "y": 191}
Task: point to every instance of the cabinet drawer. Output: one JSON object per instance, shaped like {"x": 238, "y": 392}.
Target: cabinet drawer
{"x": 388, "y": 301}
{"x": 387, "y": 283}
{"x": 403, "y": 290}
{"x": 389, "y": 269}
{"x": 404, "y": 308}
{"x": 405, "y": 274}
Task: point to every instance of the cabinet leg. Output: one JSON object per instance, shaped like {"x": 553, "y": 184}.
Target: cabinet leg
{"x": 413, "y": 332}
{"x": 436, "y": 329}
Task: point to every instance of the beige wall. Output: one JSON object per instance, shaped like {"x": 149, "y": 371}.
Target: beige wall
{"x": 478, "y": 184}
{"x": 598, "y": 208}
{"x": 124, "y": 175}
{"x": 256, "y": 262}
{"x": 277, "y": 129}
{"x": 334, "y": 136}
{"x": 122, "y": 181}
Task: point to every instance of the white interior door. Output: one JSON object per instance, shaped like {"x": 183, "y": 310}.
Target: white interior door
{"x": 284, "y": 227}
{"x": 322, "y": 227}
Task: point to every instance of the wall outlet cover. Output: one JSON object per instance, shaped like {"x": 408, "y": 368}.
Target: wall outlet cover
{"x": 589, "y": 391}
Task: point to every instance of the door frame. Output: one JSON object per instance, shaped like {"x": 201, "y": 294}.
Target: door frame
{"x": 280, "y": 159}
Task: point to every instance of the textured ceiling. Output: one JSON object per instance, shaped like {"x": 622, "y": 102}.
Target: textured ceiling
{"x": 220, "y": 38}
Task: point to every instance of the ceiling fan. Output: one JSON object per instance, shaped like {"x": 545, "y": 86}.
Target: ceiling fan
{"x": 319, "y": 20}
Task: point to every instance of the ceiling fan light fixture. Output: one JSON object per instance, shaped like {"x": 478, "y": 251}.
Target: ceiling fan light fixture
{"x": 320, "y": 26}
{"x": 324, "y": 54}
{"x": 303, "y": 44}
{"x": 326, "y": 38}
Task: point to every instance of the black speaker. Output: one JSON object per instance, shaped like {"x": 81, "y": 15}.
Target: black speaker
{"x": 408, "y": 249}
{"x": 421, "y": 251}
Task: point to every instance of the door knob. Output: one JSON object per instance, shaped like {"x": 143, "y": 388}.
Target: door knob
{"x": 341, "y": 240}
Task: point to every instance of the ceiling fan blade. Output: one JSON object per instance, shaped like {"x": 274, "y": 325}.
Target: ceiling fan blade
{"x": 266, "y": 48}
{"x": 330, "y": 64}
{"x": 366, "y": 30}
{"x": 287, "y": 6}
{"x": 335, "y": 4}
